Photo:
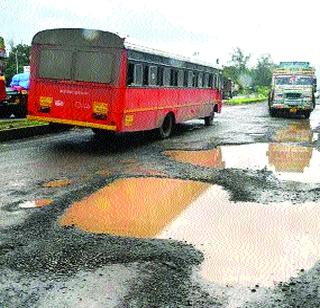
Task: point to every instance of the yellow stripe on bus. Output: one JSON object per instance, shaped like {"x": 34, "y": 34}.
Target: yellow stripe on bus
{"x": 71, "y": 122}
{"x": 163, "y": 107}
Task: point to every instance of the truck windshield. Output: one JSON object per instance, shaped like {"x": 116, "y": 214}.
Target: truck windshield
{"x": 78, "y": 65}
{"x": 294, "y": 80}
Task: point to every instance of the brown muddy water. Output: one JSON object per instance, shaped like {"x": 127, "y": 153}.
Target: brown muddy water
{"x": 243, "y": 243}
{"x": 288, "y": 162}
{"x": 57, "y": 183}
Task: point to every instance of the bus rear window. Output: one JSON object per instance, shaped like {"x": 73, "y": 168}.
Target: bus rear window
{"x": 93, "y": 66}
{"x": 88, "y": 66}
{"x": 55, "y": 64}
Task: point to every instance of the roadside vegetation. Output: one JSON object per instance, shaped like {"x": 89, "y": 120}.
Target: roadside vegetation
{"x": 12, "y": 124}
{"x": 249, "y": 84}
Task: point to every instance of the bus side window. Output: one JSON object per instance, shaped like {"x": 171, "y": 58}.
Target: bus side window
{"x": 130, "y": 74}
{"x": 174, "y": 78}
{"x": 190, "y": 79}
{"x": 206, "y": 80}
{"x": 211, "y": 85}
{"x": 145, "y": 75}
{"x": 216, "y": 81}
{"x": 195, "y": 79}
{"x": 152, "y": 76}
{"x": 180, "y": 78}
{"x": 200, "y": 75}
{"x": 166, "y": 76}
{"x": 138, "y": 75}
{"x": 160, "y": 76}
{"x": 185, "y": 79}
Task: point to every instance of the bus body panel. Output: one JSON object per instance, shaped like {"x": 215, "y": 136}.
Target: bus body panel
{"x": 79, "y": 103}
{"x": 145, "y": 108}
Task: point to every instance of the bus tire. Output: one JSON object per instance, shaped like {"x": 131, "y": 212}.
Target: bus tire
{"x": 208, "y": 121}
{"x": 167, "y": 127}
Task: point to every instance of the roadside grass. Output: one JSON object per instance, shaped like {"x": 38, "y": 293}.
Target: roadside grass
{"x": 245, "y": 100}
{"x": 12, "y": 124}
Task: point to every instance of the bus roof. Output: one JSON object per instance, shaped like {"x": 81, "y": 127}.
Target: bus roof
{"x": 98, "y": 38}
{"x": 78, "y": 37}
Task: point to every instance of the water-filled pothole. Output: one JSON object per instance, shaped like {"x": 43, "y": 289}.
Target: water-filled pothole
{"x": 288, "y": 162}
{"x": 245, "y": 243}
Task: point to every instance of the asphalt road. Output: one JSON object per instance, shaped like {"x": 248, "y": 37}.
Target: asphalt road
{"x": 220, "y": 216}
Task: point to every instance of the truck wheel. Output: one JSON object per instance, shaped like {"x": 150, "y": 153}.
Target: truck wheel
{"x": 166, "y": 129}
{"x": 272, "y": 112}
{"x": 208, "y": 121}
{"x": 307, "y": 114}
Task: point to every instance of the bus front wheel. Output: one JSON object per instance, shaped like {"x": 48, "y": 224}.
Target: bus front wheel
{"x": 167, "y": 127}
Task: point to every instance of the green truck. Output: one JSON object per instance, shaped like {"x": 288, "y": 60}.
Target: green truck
{"x": 293, "y": 89}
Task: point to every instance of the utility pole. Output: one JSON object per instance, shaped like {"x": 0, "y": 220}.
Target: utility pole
{"x": 17, "y": 63}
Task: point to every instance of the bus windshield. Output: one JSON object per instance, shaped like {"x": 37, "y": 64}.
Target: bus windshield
{"x": 78, "y": 65}
{"x": 294, "y": 80}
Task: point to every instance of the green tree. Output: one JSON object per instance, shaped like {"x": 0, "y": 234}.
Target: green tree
{"x": 18, "y": 57}
{"x": 262, "y": 73}
{"x": 238, "y": 70}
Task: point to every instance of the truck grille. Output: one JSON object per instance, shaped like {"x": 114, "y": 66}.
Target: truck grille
{"x": 293, "y": 95}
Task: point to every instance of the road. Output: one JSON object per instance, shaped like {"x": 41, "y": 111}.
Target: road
{"x": 225, "y": 216}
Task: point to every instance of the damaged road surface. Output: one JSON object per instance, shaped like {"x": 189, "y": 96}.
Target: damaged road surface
{"x": 225, "y": 216}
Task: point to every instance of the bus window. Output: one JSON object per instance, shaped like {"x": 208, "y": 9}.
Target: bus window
{"x": 93, "y": 66}
{"x": 185, "y": 79}
{"x": 55, "y": 64}
{"x": 190, "y": 79}
{"x": 130, "y": 74}
{"x": 166, "y": 76}
{"x": 200, "y": 75}
{"x": 160, "y": 77}
{"x": 180, "y": 78}
{"x": 206, "y": 80}
{"x": 138, "y": 74}
{"x": 146, "y": 75}
{"x": 152, "y": 76}
{"x": 211, "y": 81}
{"x": 174, "y": 78}
{"x": 216, "y": 81}
{"x": 194, "y": 79}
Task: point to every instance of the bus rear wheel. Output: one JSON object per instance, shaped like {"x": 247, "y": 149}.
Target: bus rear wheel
{"x": 208, "y": 121}
{"x": 167, "y": 127}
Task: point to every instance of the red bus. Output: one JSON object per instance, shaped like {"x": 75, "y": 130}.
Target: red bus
{"x": 94, "y": 79}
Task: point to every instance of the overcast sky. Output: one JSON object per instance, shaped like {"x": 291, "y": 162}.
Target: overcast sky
{"x": 287, "y": 30}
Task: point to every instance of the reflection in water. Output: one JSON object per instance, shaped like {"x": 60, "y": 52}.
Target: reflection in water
{"x": 207, "y": 158}
{"x": 296, "y": 132}
{"x": 289, "y": 158}
{"x": 57, "y": 183}
{"x": 245, "y": 243}
{"x": 249, "y": 243}
{"x": 138, "y": 207}
{"x": 288, "y": 162}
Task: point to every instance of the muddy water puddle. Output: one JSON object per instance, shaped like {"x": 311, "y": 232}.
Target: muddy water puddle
{"x": 138, "y": 207}
{"x": 243, "y": 243}
{"x": 288, "y": 162}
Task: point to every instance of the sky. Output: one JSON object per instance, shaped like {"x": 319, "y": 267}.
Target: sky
{"x": 287, "y": 30}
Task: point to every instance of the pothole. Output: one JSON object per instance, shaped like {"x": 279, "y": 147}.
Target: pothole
{"x": 288, "y": 162}
{"x": 244, "y": 243}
